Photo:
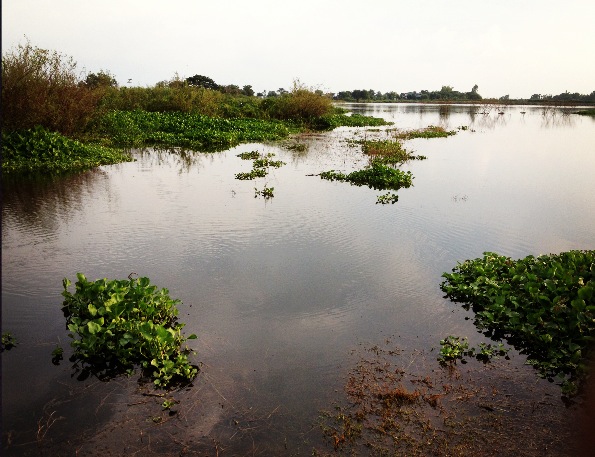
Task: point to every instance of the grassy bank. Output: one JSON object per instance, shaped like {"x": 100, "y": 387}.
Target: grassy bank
{"x": 53, "y": 118}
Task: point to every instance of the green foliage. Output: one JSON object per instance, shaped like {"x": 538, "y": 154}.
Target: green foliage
{"x": 8, "y": 341}
{"x": 387, "y": 198}
{"x": 334, "y": 120}
{"x": 138, "y": 128}
{"x": 57, "y": 355}
{"x": 586, "y": 112}
{"x": 252, "y": 174}
{"x": 39, "y": 150}
{"x": 202, "y": 81}
{"x": 266, "y": 192}
{"x": 252, "y": 155}
{"x": 431, "y": 131}
{"x": 300, "y": 104}
{"x": 259, "y": 166}
{"x": 377, "y": 176}
{"x": 455, "y": 348}
{"x": 100, "y": 79}
{"x": 544, "y": 306}
{"x": 118, "y": 324}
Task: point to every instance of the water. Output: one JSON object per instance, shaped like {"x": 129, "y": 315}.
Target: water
{"x": 279, "y": 291}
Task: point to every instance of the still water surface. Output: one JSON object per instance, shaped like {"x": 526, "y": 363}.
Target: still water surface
{"x": 280, "y": 291}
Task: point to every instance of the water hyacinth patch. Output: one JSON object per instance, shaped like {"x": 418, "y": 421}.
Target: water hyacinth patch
{"x": 544, "y": 306}
{"x": 118, "y": 324}
{"x": 377, "y": 176}
{"x": 39, "y": 150}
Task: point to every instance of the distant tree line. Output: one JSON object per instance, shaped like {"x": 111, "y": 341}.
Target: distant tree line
{"x": 446, "y": 93}
{"x": 565, "y": 97}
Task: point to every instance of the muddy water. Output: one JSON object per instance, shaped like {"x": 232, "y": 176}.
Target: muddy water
{"x": 279, "y": 291}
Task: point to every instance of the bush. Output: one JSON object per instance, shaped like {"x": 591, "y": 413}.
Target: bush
{"x": 41, "y": 87}
{"x": 301, "y": 103}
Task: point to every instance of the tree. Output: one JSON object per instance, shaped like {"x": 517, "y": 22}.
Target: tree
{"x": 202, "y": 81}
{"x": 247, "y": 90}
{"x": 100, "y": 79}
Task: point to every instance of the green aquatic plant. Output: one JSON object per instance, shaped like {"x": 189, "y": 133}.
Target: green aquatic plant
{"x": 38, "y": 150}
{"x": 455, "y": 348}
{"x": 431, "y": 131}
{"x": 377, "y": 176}
{"x": 8, "y": 341}
{"x": 266, "y": 192}
{"x": 57, "y": 355}
{"x": 118, "y": 324}
{"x": 253, "y": 174}
{"x": 195, "y": 131}
{"x": 259, "y": 165}
{"x": 252, "y": 155}
{"x": 387, "y": 198}
{"x": 544, "y": 306}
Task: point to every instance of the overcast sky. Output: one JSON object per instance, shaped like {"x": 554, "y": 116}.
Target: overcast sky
{"x": 515, "y": 47}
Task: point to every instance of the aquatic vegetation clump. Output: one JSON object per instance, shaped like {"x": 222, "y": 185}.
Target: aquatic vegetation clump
{"x": 39, "y": 150}
{"x": 431, "y": 131}
{"x": 260, "y": 165}
{"x": 586, "y": 112}
{"x": 377, "y": 176}
{"x": 252, "y": 174}
{"x": 7, "y": 342}
{"x": 266, "y": 192}
{"x": 117, "y": 324}
{"x": 332, "y": 121}
{"x": 387, "y": 198}
{"x": 387, "y": 152}
{"x": 544, "y": 306}
{"x": 195, "y": 131}
{"x": 455, "y": 348}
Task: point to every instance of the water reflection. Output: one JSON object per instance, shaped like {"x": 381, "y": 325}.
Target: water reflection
{"x": 279, "y": 293}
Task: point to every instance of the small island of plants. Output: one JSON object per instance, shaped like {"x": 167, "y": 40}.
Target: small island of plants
{"x": 544, "y": 306}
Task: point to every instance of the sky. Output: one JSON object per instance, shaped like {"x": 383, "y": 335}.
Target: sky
{"x": 506, "y": 47}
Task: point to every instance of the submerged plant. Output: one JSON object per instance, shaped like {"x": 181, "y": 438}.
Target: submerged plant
{"x": 544, "y": 306}
{"x": 117, "y": 324}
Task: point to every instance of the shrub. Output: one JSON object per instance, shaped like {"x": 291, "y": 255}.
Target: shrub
{"x": 301, "y": 103}
{"x": 41, "y": 87}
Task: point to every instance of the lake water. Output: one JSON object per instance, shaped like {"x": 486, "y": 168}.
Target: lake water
{"x": 279, "y": 291}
